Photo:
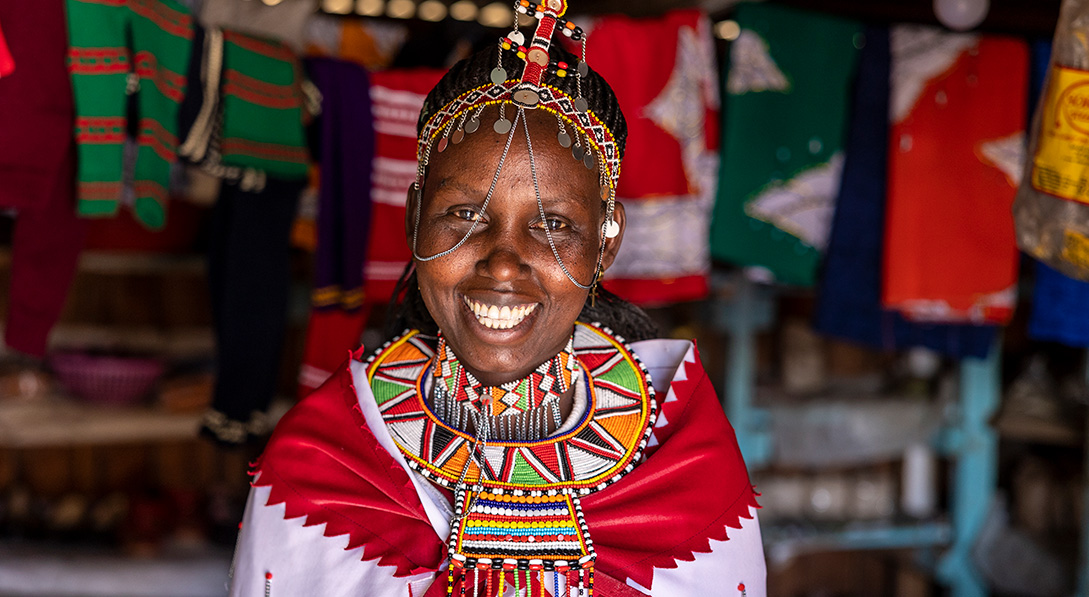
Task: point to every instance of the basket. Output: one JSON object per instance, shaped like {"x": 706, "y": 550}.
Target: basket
{"x": 108, "y": 380}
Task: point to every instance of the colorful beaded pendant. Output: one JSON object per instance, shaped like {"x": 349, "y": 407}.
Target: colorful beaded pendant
{"x": 517, "y": 513}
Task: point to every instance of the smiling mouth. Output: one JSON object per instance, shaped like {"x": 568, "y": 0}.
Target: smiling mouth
{"x": 499, "y": 318}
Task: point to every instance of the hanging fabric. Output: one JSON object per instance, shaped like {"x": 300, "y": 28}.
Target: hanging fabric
{"x": 7, "y": 61}
{"x": 669, "y": 93}
{"x": 117, "y": 49}
{"x": 345, "y": 133}
{"x": 38, "y": 172}
{"x": 787, "y": 90}
{"x": 950, "y": 254}
{"x": 849, "y": 296}
{"x": 245, "y": 119}
{"x": 396, "y": 99}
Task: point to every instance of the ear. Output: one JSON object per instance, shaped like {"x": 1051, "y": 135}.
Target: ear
{"x": 612, "y": 245}
{"x": 410, "y": 212}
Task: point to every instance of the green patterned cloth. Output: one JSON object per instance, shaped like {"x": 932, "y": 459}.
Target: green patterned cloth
{"x": 787, "y": 99}
{"x": 251, "y": 116}
{"x": 119, "y": 48}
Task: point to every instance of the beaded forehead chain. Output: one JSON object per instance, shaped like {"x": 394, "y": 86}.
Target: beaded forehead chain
{"x": 593, "y": 142}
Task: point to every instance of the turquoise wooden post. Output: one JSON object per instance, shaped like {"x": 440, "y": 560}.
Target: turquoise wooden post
{"x": 975, "y": 448}
{"x": 748, "y": 311}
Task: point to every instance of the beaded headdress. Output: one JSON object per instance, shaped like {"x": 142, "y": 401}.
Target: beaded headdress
{"x": 537, "y": 87}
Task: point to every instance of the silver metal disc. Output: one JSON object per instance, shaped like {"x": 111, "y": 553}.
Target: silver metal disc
{"x": 472, "y": 124}
{"x": 578, "y": 152}
{"x": 583, "y": 68}
{"x": 498, "y": 75}
{"x": 581, "y": 105}
{"x": 442, "y": 144}
{"x": 458, "y": 136}
{"x": 517, "y": 38}
{"x": 527, "y": 97}
{"x": 588, "y": 160}
{"x": 502, "y": 126}
{"x": 564, "y": 139}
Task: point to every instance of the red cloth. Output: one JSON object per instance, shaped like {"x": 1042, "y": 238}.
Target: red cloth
{"x": 396, "y": 99}
{"x": 324, "y": 463}
{"x": 7, "y": 63}
{"x": 37, "y": 164}
{"x": 327, "y": 335}
{"x": 46, "y": 244}
{"x": 668, "y": 91}
{"x": 950, "y": 252}
{"x": 37, "y": 118}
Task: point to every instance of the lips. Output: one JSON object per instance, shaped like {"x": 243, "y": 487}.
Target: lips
{"x": 499, "y": 317}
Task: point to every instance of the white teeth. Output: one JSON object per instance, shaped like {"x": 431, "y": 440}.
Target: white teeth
{"x": 499, "y": 318}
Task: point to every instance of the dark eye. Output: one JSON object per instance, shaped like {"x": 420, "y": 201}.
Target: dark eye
{"x": 550, "y": 224}
{"x": 467, "y": 214}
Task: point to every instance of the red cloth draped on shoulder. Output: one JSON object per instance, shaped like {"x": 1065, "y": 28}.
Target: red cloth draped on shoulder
{"x": 324, "y": 463}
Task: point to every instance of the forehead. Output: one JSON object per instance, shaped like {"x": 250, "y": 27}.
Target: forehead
{"x": 474, "y": 161}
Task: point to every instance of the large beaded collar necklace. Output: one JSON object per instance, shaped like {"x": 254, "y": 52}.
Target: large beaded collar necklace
{"x": 516, "y": 502}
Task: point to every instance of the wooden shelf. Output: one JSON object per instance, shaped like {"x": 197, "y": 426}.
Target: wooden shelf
{"x": 57, "y": 422}
{"x": 131, "y": 262}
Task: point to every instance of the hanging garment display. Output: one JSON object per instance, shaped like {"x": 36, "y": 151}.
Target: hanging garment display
{"x": 346, "y": 153}
{"x": 1052, "y": 207}
{"x": 849, "y": 296}
{"x": 950, "y": 254}
{"x": 396, "y": 99}
{"x": 117, "y": 49}
{"x": 246, "y": 119}
{"x": 786, "y": 105}
{"x": 249, "y": 276}
{"x": 669, "y": 93}
{"x": 38, "y": 171}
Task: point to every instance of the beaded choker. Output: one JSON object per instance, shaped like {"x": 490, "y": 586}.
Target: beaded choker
{"x": 517, "y": 410}
{"x": 517, "y": 511}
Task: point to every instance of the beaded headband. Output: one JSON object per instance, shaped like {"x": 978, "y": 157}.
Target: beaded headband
{"x": 591, "y": 142}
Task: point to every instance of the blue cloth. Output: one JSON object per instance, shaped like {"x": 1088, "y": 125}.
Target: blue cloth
{"x": 1060, "y": 305}
{"x": 849, "y": 297}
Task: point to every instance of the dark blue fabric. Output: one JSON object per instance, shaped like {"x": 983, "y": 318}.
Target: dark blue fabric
{"x": 345, "y": 149}
{"x": 849, "y": 297}
{"x": 1060, "y": 305}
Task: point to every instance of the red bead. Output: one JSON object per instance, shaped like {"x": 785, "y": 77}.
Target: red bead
{"x": 741, "y": 587}
{"x": 268, "y": 576}
{"x": 562, "y": 65}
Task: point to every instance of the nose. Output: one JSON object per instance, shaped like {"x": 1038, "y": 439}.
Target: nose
{"x": 501, "y": 259}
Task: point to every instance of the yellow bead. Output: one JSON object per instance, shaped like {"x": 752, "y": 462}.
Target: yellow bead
{"x": 561, "y": 73}
{"x": 506, "y": 46}
{"x": 522, "y": 55}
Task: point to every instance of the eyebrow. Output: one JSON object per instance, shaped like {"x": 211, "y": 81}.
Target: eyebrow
{"x": 546, "y": 199}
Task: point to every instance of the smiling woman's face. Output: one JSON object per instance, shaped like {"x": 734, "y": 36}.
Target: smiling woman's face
{"x": 501, "y": 299}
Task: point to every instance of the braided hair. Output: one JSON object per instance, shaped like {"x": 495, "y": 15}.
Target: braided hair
{"x": 623, "y": 318}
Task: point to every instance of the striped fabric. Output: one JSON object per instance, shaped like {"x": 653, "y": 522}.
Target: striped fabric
{"x": 120, "y": 48}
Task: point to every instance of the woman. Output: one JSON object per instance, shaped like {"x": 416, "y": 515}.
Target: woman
{"x": 509, "y": 442}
